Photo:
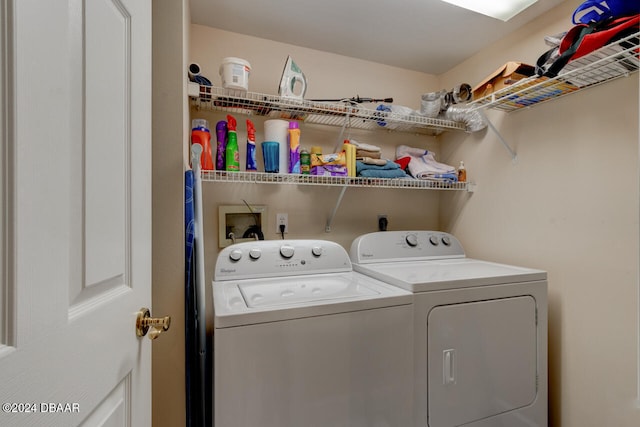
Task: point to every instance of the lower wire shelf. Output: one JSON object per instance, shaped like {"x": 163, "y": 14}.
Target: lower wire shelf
{"x": 333, "y": 181}
{"x": 336, "y": 181}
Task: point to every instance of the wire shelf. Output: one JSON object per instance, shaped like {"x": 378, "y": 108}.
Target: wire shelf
{"x": 335, "y": 181}
{"x": 324, "y": 113}
{"x": 619, "y": 59}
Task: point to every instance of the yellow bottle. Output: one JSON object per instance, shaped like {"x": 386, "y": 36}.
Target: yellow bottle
{"x": 350, "y": 153}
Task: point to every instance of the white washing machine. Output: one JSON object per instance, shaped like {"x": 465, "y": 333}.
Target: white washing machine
{"x": 301, "y": 339}
{"x": 480, "y": 329}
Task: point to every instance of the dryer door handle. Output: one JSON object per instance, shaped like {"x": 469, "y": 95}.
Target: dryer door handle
{"x": 449, "y": 366}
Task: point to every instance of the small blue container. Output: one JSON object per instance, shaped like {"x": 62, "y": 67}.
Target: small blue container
{"x": 271, "y": 156}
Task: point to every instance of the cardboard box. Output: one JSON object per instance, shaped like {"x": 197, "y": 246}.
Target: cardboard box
{"x": 507, "y": 74}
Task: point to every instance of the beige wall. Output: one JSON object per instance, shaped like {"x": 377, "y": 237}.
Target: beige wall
{"x": 569, "y": 205}
{"x": 328, "y": 75}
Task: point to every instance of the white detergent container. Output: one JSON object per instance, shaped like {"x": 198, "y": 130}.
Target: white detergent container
{"x": 234, "y": 73}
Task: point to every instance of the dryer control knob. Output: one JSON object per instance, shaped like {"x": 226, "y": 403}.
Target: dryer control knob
{"x": 235, "y": 255}
{"x": 316, "y": 250}
{"x": 434, "y": 240}
{"x": 446, "y": 240}
{"x": 255, "y": 253}
{"x": 287, "y": 251}
{"x": 412, "y": 240}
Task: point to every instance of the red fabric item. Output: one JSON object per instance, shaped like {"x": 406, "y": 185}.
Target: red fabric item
{"x": 600, "y": 37}
{"x": 403, "y": 162}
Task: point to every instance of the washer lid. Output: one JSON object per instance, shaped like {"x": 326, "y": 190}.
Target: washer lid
{"x": 301, "y": 290}
{"x": 251, "y": 301}
{"x": 425, "y": 276}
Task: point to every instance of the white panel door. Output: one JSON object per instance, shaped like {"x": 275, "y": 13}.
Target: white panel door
{"x": 76, "y": 223}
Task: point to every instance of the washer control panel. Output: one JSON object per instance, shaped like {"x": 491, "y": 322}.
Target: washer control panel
{"x": 270, "y": 258}
{"x": 405, "y": 245}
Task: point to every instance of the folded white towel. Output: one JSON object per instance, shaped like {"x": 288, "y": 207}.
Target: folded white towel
{"x": 365, "y": 147}
{"x": 423, "y": 164}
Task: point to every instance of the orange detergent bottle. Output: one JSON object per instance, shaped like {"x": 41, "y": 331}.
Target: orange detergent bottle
{"x": 200, "y": 135}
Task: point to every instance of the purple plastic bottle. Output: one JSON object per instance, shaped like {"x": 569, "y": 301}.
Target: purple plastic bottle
{"x": 221, "y": 135}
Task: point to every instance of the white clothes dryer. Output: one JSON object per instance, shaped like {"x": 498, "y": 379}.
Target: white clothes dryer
{"x": 301, "y": 339}
{"x": 480, "y": 329}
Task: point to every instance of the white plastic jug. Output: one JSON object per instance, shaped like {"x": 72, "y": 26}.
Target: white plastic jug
{"x": 234, "y": 73}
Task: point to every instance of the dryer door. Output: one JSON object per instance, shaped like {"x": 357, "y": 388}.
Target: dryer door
{"x": 481, "y": 359}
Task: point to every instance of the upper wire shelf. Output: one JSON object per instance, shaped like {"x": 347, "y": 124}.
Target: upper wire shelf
{"x": 324, "y": 113}
{"x": 336, "y": 181}
{"x": 619, "y": 59}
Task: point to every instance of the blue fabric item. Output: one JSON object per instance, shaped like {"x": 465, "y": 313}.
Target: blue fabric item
{"x": 598, "y": 10}
{"x": 360, "y": 166}
{"x": 389, "y": 170}
{"x": 449, "y": 177}
{"x": 202, "y": 80}
{"x": 192, "y": 376}
{"x": 193, "y": 373}
{"x": 383, "y": 173}
{"x": 188, "y": 224}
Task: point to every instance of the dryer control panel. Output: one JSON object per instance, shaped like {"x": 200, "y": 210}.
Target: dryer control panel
{"x": 271, "y": 258}
{"x": 405, "y": 246}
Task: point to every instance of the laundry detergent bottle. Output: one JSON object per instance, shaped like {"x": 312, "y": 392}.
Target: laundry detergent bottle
{"x": 232, "y": 156}
{"x": 251, "y": 147}
{"x": 221, "y": 137}
{"x": 200, "y": 135}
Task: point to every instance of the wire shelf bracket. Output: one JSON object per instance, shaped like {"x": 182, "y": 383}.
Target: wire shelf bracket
{"x": 327, "y": 228}
{"x": 512, "y": 153}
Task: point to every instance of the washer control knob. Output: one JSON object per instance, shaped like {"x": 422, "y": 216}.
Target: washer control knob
{"x": 434, "y": 240}
{"x": 446, "y": 241}
{"x": 287, "y": 251}
{"x": 316, "y": 251}
{"x": 235, "y": 255}
{"x": 255, "y": 253}
{"x": 412, "y": 240}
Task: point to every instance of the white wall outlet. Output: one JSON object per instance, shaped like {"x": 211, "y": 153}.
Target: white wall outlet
{"x": 282, "y": 219}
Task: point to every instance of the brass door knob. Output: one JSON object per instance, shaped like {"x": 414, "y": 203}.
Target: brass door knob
{"x": 144, "y": 322}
